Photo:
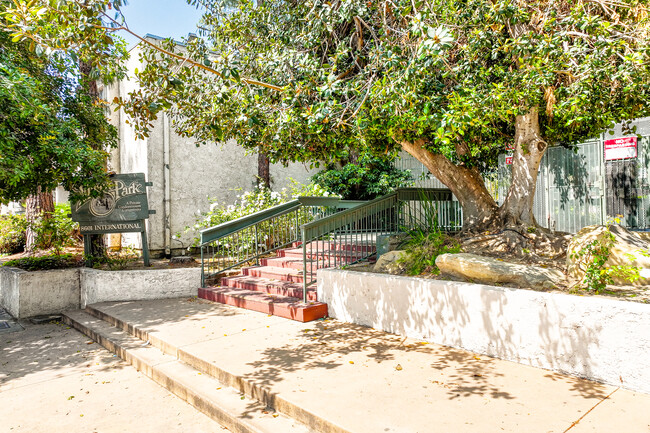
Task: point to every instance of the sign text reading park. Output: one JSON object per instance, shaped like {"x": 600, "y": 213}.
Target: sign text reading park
{"x": 123, "y": 208}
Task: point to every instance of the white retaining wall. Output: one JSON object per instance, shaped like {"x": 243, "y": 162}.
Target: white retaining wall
{"x": 593, "y": 337}
{"x": 104, "y": 286}
{"x": 27, "y": 294}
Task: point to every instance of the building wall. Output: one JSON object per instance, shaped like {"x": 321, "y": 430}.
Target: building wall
{"x": 189, "y": 177}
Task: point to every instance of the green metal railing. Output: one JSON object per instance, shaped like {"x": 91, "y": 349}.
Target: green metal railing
{"x": 349, "y": 236}
{"x": 246, "y": 239}
{"x": 332, "y": 232}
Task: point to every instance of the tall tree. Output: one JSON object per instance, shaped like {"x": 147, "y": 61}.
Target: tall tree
{"x": 50, "y": 134}
{"x": 451, "y": 82}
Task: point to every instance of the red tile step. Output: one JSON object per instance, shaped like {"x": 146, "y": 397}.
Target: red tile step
{"x": 272, "y": 287}
{"x": 282, "y": 306}
{"x": 342, "y": 245}
{"x": 320, "y": 253}
{"x": 297, "y": 263}
{"x": 275, "y": 273}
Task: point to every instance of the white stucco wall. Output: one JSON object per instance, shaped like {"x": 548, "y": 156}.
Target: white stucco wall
{"x": 593, "y": 337}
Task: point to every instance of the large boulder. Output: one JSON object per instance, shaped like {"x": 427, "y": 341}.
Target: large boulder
{"x": 629, "y": 249}
{"x": 487, "y": 270}
{"x": 389, "y": 263}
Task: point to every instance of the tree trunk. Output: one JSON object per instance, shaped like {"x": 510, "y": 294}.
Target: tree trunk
{"x": 38, "y": 205}
{"x": 517, "y": 209}
{"x": 97, "y": 242}
{"x": 263, "y": 169}
{"x": 465, "y": 183}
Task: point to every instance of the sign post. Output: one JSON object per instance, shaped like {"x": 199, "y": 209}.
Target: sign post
{"x": 122, "y": 209}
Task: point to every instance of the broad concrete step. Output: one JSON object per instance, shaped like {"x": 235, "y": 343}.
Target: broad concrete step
{"x": 229, "y": 407}
{"x": 277, "y": 273}
{"x": 272, "y": 287}
{"x": 281, "y": 306}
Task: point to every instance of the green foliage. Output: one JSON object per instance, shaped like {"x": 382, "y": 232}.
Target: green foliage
{"x": 42, "y": 263}
{"x": 250, "y": 202}
{"x": 56, "y": 232}
{"x": 364, "y": 179}
{"x": 591, "y": 259}
{"x": 115, "y": 261}
{"x": 51, "y": 133}
{"x": 12, "y": 234}
{"x": 450, "y": 76}
{"x": 423, "y": 248}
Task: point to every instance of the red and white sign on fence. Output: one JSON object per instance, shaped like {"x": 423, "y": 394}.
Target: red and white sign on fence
{"x": 620, "y": 148}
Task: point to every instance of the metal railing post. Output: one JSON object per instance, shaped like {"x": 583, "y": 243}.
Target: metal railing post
{"x": 202, "y": 269}
{"x": 257, "y": 247}
{"x": 304, "y": 266}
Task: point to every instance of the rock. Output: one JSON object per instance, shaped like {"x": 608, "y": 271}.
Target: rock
{"x": 388, "y": 263}
{"x": 181, "y": 260}
{"x": 629, "y": 249}
{"x": 487, "y": 270}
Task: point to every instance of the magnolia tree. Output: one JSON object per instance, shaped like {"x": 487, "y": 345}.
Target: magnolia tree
{"x": 454, "y": 83}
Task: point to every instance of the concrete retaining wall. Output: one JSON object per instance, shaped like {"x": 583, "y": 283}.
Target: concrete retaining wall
{"x": 27, "y": 294}
{"x": 104, "y": 286}
{"x": 592, "y": 337}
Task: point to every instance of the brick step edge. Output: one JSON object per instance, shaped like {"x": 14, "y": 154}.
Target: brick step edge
{"x": 272, "y": 287}
{"x": 275, "y": 273}
{"x": 205, "y": 393}
{"x": 297, "y": 263}
{"x": 288, "y": 308}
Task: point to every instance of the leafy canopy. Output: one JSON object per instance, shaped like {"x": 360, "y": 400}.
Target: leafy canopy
{"x": 332, "y": 75}
{"x": 51, "y": 133}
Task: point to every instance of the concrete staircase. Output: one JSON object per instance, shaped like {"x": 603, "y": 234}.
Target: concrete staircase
{"x": 276, "y": 286}
{"x": 218, "y": 394}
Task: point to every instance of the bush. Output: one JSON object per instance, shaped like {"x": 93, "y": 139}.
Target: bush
{"x": 592, "y": 257}
{"x": 12, "y": 234}
{"x": 61, "y": 261}
{"x": 253, "y": 201}
{"x": 423, "y": 248}
{"x": 367, "y": 178}
{"x": 56, "y": 232}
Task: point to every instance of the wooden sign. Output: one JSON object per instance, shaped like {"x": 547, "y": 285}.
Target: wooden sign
{"x": 122, "y": 209}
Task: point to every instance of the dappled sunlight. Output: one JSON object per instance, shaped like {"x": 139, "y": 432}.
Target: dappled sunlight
{"x": 48, "y": 351}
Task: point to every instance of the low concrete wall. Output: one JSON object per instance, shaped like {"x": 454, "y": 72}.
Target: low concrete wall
{"x": 27, "y": 294}
{"x": 104, "y": 286}
{"x": 592, "y": 337}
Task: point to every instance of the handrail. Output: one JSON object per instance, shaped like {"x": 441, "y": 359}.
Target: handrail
{"x": 247, "y": 238}
{"x": 350, "y": 236}
{"x": 224, "y": 229}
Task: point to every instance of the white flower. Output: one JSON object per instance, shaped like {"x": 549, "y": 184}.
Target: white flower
{"x": 213, "y": 206}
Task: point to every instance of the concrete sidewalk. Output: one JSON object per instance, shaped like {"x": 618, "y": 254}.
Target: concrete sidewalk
{"x": 339, "y": 377}
{"x": 53, "y": 379}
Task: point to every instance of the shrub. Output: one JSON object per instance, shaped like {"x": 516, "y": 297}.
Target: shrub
{"x": 58, "y": 231}
{"x": 250, "y": 202}
{"x": 592, "y": 257}
{"x": 45, "y": 262}
{"x": 366, "y": 178}
{"x": 12, "y": 234}
{"x": 422, "y": 249}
